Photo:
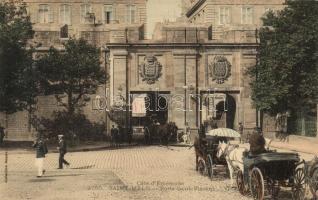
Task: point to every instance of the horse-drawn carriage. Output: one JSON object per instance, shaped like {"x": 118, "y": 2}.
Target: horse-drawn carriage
{"x": 268, "y": 172}
{"x": 163, "y": 133}
{"x": 206, "y": 148}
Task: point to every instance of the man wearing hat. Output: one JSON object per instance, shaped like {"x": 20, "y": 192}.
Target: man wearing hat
{"x": 257, "y": 142}
{"x": 257, "y": 146}
{"x": 41, "y": 150}
{"x": 62, "y": 151}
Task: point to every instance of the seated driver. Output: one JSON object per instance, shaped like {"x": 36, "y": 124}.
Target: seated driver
{"x": 257, "y": 146}
{"x": 257, "y": 142}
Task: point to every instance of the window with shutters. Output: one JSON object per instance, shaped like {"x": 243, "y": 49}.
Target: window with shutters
{"x": 45, "y": 14}
{"x": 247, "y": 15}
{"x": 131, "y": 14}
{"x": 108, "y": 14}
{"x": 225, "y": 15}
{"x": 85, "y": 17}
{"x": 65, "y": 14}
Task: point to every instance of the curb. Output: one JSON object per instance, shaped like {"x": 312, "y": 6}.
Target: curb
{"x": 108, "y": 147}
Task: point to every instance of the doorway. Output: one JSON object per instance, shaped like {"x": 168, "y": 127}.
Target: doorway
{"x": 219, "y": 106}
{"x": 156, "y": 104}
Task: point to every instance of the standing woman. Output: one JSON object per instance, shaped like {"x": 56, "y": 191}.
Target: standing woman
{"x": 41, "y": 150}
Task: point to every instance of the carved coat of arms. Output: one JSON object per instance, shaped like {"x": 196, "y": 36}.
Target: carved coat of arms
{"x": 150, "y": 69}
{"x": 220, "y": 69}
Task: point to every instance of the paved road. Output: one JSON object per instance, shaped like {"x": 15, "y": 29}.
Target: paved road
{"x": 134, "y": 173}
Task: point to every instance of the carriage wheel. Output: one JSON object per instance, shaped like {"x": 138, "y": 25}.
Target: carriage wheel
{"x": 240, "y": 183}
{"x": 298, "y": 187}
{"x": 257, "y": 184}
{"x": 314, "y": 183}
{"x": 210, "y": 166}
{"x": 201, "y": 166}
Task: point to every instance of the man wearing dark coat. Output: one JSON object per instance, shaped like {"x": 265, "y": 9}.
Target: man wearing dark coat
{"x": 114, "y": 133}
{"x": 257, "y": 146}
{"x": 41, "y": 150}
{"x": 257, "y": 142}
{"x": 62, "y": 150}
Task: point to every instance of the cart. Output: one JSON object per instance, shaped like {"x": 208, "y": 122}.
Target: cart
{"x": 206, "y": 148}
{"x": 268, "y": 172}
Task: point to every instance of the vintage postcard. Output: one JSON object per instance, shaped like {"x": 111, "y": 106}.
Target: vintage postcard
{"x": 158, "y": 99}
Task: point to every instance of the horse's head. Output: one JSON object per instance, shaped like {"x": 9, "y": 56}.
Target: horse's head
{"x": 221, "y": 149}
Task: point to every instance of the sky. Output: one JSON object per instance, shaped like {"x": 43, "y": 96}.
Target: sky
{"x": 161, "y": 10}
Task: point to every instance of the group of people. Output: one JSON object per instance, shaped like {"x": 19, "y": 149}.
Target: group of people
{"x": 117, "y": 135}
{"x": 41, "y": 151}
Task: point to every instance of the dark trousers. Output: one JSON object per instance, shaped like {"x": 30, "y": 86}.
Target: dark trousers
{"x": 62, "y": 161}
{"x": 247, "y": 164}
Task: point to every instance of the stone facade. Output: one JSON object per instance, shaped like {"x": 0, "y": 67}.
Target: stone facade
{"x": 186, "y": 55}
{"x": 91, "y": 20}
{"x": 231, "y": 15}
{"x": 203, "y": 62}
{"x": 98, "y": 21}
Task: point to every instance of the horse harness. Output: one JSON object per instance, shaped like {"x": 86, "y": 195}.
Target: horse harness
{"x": 227, "y": 152}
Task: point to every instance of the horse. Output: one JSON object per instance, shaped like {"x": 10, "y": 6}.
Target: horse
{"x": 233, "y": 156}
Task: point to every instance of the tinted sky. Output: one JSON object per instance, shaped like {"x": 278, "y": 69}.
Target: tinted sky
{"x": 160, "y": 10}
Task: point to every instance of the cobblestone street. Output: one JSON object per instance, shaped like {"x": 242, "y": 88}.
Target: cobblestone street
{"x": 135, "y": 173}
{"x": 131, "y": 173}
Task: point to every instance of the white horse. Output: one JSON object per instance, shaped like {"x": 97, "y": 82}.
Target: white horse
{"x": 233, "y": 156}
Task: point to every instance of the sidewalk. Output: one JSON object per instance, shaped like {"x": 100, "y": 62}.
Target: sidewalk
{"x": 299, "y": 144}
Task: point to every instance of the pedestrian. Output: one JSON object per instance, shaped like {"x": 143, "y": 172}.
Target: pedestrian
{"x": 113, "y": 135}
{"x": 2, "y": 134}
{"x": 187, "y": 133}
{"x": 62, "y": 151}
{"x": 129, "y": 134}
{"x": 41, "y": 151}
{"x": 241, "y": 129}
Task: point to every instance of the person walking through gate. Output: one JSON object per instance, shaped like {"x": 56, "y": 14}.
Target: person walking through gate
{"x": 62, "y": 150}
{"x": 41, "y": 150}
{"x": 241, "y": 129}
